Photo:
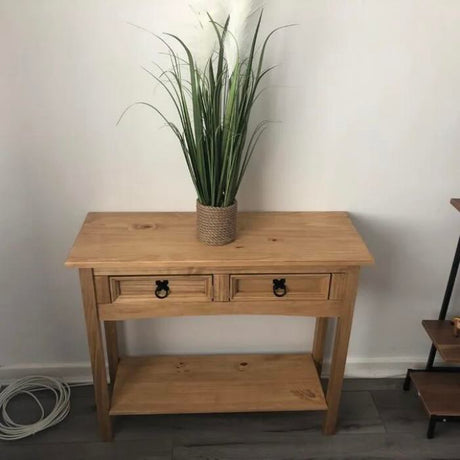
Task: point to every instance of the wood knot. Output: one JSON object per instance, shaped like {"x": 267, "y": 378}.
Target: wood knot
{"x": 304, "y": 394}
{"x": 182, "y": 367}
{"x": 141, "y": 226}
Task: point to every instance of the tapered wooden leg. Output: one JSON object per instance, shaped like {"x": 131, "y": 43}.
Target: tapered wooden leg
{"x": 318, "y": 342}
{"x": 110, "y": 327}
{"x": 96, "y": 351}
{"x": 339, "y": 354}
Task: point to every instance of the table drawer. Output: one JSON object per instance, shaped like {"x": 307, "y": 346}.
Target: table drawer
{"x": 166, "y": 288}
{"x": 279, "y": 287}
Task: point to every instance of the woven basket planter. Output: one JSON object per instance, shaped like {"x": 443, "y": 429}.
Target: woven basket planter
{"x": 216, "y": 226}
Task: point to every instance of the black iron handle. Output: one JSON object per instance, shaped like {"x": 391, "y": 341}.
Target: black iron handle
{"x": 162, "y": 289}
{"x": 279, "y": 287}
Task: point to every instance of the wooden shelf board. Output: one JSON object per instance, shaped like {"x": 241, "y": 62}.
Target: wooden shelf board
{"x": 439, "y": 392}
{"x": 455, "y": 202}
{"x": 216, "y": 383}
{"x": 441, "y": 333}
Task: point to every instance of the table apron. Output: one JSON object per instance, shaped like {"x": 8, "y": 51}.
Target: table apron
{"x": 137, "y": 310}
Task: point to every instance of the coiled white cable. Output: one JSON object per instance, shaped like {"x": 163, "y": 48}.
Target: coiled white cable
{"x": 10, "y": 430}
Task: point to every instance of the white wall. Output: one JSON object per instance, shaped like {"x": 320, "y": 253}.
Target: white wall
{"x": 368, "y": 95}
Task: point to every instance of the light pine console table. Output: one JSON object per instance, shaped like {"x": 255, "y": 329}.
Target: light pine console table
{"x": 144, "y": 265}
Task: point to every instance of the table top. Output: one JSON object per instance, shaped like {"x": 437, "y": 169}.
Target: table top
{"x": 168, "y": 240}
{"x": 455, "y": 202}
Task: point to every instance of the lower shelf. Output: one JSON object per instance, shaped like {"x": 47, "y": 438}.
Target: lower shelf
{"x": 216, "y": 383}
{"x": 439, "y": 392}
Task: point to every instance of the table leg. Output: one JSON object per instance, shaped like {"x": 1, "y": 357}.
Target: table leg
{"x": 339, "y": 354}
{"x": 319, "y": 341}
{"x": 96, "y": 351}
{"x": 102, "y": 286}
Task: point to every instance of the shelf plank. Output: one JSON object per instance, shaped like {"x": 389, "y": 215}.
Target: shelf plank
{"x": 216, "y": 383}
{"x": 439, "y": 392}
{"x": 442, "y": 336}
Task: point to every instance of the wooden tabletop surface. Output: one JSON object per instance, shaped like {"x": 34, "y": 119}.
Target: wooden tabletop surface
{"x": 455, "y": 202}
{"x": 168, "y": 240}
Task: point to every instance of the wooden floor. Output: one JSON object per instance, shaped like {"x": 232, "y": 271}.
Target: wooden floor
{"x": 378, "y": 421}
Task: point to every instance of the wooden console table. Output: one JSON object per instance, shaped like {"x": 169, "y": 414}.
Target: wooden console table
{"x": 143, "y": 265}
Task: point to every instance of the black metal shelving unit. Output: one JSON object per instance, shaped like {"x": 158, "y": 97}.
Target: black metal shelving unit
{"x": 439, "y": 386}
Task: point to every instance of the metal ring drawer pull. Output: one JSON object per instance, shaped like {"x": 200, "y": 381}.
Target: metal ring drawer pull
{"x": 279, "y": 287}
{"x": 162, "y": 289}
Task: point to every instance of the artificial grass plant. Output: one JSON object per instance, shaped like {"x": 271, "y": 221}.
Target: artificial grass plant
{"x": 214, "y": 105}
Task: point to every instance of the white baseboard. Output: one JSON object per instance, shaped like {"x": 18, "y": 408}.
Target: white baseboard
{"x": 80, "y": 372}
{"x": 382, "y": 367}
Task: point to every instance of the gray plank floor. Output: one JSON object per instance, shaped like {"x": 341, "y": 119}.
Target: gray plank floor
{"x": 377, "y": 421}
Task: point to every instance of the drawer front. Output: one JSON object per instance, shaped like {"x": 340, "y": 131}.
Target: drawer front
{"x": 167, "y": 288}
{"x": 279, "y": 287}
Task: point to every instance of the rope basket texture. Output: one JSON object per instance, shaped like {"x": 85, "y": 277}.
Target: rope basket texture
{"x": 216, "y": 226}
